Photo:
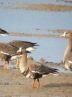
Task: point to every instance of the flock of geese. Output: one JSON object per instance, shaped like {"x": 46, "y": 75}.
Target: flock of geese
{"x": 29, "y": 67}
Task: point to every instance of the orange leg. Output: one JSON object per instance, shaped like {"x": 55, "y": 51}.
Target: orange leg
{"x": 6, "y": 66}
{"x": 17, "y": 63}
{"x": 38, "y": 83}
{"x": 33, "y": 84}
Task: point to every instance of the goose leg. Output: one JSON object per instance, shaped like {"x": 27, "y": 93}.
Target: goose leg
{"x": 6, "y": 65}
{"x": 33, "y": 83}
{"x": 17, "y": 63}
{"x": 38, "y": 83}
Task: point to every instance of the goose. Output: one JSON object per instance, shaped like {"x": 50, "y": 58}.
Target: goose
{"x": 6, "y": 52}
{"x": 35, "y": 70}
{"x": 3, "y": 32}
{"x": 22, "y": 45}
{"x": 29, "y": 46}
{"x": 67, "y": 60}
{"x": 12, "y": 50}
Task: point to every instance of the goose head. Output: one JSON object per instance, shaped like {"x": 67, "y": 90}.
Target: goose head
{"x": 67, "y": 35}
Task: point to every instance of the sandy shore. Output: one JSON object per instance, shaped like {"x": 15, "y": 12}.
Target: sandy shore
{"x": 14, "y": 84}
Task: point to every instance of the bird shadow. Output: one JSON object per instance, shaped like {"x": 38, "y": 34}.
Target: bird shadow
{"x": 57, "y": 85}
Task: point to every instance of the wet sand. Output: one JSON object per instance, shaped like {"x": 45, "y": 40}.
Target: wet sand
{"x": 14, "y": 84}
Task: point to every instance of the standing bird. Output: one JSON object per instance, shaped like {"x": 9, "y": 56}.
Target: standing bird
{"x": 3, "y": 32}
{"x": 22, "y": 45}
{"x": 6, "y": 52}
{"x": 10, "y": 50}
{"x": 67, "y": 60}
{"x": 29, "y": 46}
{"x": 34, "y": 70}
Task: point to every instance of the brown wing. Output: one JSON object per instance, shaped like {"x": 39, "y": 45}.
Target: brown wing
{"x": 7, "y": 49}
{"x": 23, "y": 44}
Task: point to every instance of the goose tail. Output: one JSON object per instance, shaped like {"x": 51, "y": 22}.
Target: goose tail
{"x": 53, "y": 71}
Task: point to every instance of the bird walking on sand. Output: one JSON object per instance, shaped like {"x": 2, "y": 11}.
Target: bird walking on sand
{"x": 67, "y": 60}
{"x": 34, "y": 70}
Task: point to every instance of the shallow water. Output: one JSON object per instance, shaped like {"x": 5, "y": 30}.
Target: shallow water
{"x": 24, "y": 21}
{"x": 12, "y": 84}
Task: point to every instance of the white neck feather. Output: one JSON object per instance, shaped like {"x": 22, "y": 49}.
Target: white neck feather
{"x": 19, "y": 50}
{"x": 67, "y": 51}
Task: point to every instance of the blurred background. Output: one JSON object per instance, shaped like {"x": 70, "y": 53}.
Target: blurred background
{"x": 50, "y": 17}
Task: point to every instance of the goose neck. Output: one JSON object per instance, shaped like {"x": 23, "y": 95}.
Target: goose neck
{"x": 23, "y": 62}
{"x": 70, "y": 42}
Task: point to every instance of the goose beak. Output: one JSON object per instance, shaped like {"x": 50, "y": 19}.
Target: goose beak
{"x": 63, "y": 35}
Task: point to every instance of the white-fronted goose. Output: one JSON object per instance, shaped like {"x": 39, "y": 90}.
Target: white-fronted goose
{"x": 3, "y": 32}
{"x": 67, "y": 60}
{"x": 6, "y": 52}
{"x": 34, "y": 70}
{"x": 29, "y": 46}
{"x": 9, "y": 50}
{"x": 19, "y": 46}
